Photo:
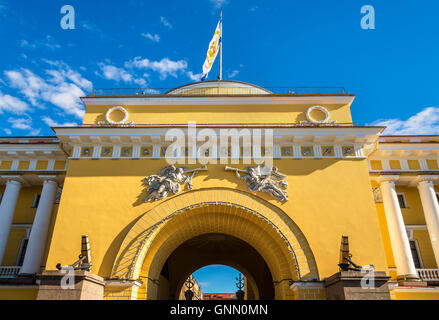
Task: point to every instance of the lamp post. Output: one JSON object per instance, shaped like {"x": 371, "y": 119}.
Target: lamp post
{"x": 240, "y": 285}
{"x": 189, "y": 293}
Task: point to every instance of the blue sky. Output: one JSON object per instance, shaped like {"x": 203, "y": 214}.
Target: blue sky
{"x": 393, "y": 69}
{"x": 217, "y": 279}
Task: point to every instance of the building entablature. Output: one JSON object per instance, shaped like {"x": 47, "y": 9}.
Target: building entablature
{"x": 31, "y": 151}
{"x": 406, "y": 150}
{"x": 29, "y": 159}
{"x": 404, "y": 157}
{"x": 288, "y": 142}
{"x": 32, "y": 179}
{"x": 166, "y": 100}
{"x": 406, "y": 180}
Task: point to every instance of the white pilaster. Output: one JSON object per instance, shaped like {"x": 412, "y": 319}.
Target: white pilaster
{"x": 404, "y": 165}
{"x": 317, "y": 151}
{"x": 136, "y": 151}
{"x": 297, "y": 152}
{"x": 338, "y": 151}
{"x": 76, "y": 152}
{"x": 96, "y": 151}
{"x": 38, "y": 235}
{"x": 423, "y": 164}
{"x": 398, "y": 236}
{"x": 7, "y": 209}
{"x": 116, "y": 151}
{"x": 431, "y": 211}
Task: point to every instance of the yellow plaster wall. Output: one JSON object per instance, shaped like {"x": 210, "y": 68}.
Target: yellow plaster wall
{"x": 18, "y": 293}
{"x": 416, "y": 294}
{"x": 24, "y": 213}
{"x": 171, "y": 114}
{"x": 414, "y": 214}
{"x": 104, "y": 198}
{"x": 425, "y": 248}
{"x": 5, "y": 164}
{"x": 13, "y": 246}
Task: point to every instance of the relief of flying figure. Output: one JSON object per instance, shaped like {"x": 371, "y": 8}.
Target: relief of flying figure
{"x": 265, "y": 179}
{"x": 168, "y": 181}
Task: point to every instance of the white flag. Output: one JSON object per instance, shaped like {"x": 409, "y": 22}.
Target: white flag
{"x": 212, "y": 51}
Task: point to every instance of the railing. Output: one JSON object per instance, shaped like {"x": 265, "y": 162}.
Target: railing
{"x": 9, "y": 272}
{"x": 428, "y": 274}
{"x": 206, "y": 91}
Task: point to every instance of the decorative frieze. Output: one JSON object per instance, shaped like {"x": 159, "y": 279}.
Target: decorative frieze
{"x": 156, "y": 151}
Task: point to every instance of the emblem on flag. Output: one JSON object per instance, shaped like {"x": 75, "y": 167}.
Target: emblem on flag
{"x": 212, "y": 51}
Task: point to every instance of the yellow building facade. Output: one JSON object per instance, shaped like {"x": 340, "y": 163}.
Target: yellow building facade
{"x": 116, "y": 179}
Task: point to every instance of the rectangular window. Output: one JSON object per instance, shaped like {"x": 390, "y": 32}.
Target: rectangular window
{"x": 22, "y": 252}
{"x": 401, "y": 200}
{"x": 415, "y": 254}
{"x": 36, "y": 201}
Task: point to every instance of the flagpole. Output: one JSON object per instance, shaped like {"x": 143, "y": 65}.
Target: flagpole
{"x": 221, "y": 49}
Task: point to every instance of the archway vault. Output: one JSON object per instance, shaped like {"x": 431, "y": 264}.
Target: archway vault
{"x": 212, "y": 210}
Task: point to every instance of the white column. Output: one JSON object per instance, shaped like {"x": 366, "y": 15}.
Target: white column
{"x": 431, "y": 211}
{"x": 37, "y": 240}
{"x": 398, "y": 235}
{"x": 7, "y": 209}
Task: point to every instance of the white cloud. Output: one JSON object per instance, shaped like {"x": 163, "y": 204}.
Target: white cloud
{"x": 52, "y": 123}
{"x": 48, "y": 42}
{"x": 232, "y": 74}
{"x": 218, "y": 3}
{"x": 204, "y": 284}
{"x": 154, "y": 38}
{"x": 7, "y": 131}
{"x": 165, "y": 66}
{"x": 94, "y": 29}
{"x": 165, "y": 22}
{"x": 426, "y": 122}
{"x": 21, "y": 123}
{"x": 11, "y": 104}
{"x": 111, "y": 72}
{"x": 194, "y": 77}
{"x": 62, "y": 88}
{"x": 35, "y": 132}
{"x": 64, "y": 71}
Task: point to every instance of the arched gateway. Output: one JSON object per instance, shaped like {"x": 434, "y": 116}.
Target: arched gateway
{"x": 230, "y": 212}
{"x": 143, "y": 243}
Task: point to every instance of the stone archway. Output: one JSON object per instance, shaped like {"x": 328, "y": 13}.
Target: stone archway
{"x": 162, "y": 229}
{"x": 218, "y": 249}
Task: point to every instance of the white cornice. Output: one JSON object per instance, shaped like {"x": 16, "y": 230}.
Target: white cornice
{"x": 357, "y": 135}
{"x": 406, "y": 150}
{"x": 30, "y": 151}
{"x": 226, "y": 100}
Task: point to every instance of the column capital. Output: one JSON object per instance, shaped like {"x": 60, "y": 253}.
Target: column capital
{"x": 13, "y": 179}
{"x": 46, "y": 179}
{"x": 387, "y": 179}
{"x": 426, "y": 179}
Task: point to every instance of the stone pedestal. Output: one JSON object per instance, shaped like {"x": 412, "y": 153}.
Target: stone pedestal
{"x": 83, "y": 285}
{"x": 410, "y": 283}
{"x": 352, "y": 285}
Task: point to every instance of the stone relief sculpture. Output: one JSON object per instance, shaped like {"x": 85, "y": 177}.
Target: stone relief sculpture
{"x": 377, "y": 195}
{"x": 169, "y": 180}
{"x": 265, "y": 179}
